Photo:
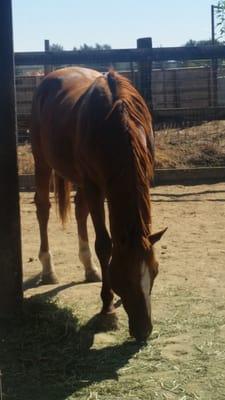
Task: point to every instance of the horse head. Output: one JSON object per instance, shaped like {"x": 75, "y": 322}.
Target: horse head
{"x": 132, "y": 273}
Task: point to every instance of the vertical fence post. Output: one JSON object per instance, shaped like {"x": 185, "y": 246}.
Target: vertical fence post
{"x": 214, "y": 61}
{"x": 10, "y": 234}
{"x": 214, "y": 82}
{"x": 209, "y": 86}
{"x": 47, "y": 67}
{"x": 213, "y": 24}
{"x": 145, "y": 72}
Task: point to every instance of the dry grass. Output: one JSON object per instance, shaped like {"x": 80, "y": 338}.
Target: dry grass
{"x": 49, "y": 355}
{"x": 25, "y": 159}
{"x": 199, "y": 146}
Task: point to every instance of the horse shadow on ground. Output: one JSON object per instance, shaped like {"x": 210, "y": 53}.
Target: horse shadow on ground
{"x": 45, "y": 354}
{"x": 35, "y": 282}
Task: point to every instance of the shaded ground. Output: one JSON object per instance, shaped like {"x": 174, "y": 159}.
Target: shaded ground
{"x": 55, "y": 352}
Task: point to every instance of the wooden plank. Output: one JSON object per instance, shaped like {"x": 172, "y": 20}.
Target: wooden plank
{"x": 189, "y": 114}
{"x": 188, "y": 53}
{"x": 191, "y": 176}
{"x": 120, "y": 55}
{"x": 162, "y": 177}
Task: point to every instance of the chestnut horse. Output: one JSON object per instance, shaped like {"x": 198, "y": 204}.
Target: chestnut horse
{"x": 96, "y": 130}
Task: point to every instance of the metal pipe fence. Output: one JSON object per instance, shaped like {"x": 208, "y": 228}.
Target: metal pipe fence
{"x": 183, "y": 87}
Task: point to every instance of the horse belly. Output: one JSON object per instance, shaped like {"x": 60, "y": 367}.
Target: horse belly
{"x": 57, "y": 147}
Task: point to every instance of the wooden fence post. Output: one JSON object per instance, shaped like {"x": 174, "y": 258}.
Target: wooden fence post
{"x": 47, "y": 67}
{"x": 10, "y": 234}
{"x": 214, "y": 82}
{"x": 214, "y": 61}
{"x": 145, "y": 72}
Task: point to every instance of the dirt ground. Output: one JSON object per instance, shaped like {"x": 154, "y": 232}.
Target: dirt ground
{"x": 188, "y": 300}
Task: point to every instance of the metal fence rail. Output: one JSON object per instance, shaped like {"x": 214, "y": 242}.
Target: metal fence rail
{"x": 120, "y": 55}
{"x": 180, "y": 84}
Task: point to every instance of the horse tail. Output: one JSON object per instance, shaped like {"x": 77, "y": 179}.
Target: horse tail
{"x": 62, "y": 189}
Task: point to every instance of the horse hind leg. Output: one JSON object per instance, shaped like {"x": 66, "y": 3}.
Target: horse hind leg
{"x": 81, "y": 213}
{"x": 41, "y": 198}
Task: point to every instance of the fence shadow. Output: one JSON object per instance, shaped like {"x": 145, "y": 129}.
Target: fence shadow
{"x": 171, "y": 197}
{"x": 35, "y": 282}
{"x": 180, "y": 195}
{"x": 47, "y": 355}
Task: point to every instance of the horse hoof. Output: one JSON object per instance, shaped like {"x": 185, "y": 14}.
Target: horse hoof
{"x": 49, "y": 279}
{"x": 108, "y": 322}
{"x": 92, "y": 276}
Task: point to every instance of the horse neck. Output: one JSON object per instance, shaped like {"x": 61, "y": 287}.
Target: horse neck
{"x": 129, "y": 208}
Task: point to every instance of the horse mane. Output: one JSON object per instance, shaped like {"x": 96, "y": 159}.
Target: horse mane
{"x": 135, "y": 116}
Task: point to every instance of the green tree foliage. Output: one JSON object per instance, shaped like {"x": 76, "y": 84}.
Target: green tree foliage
{"x": 197, "y": 43}
{"x": 83, "y": 47}
{"x": 56, "y": 47}
{"x": 86, "y": 47}
{"x": 220, "y": 11}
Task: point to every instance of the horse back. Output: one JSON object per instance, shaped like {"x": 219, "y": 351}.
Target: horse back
{"x": 54, "y": 113}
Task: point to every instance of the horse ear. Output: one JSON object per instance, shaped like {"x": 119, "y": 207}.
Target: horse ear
{"x": 155, "y": 237}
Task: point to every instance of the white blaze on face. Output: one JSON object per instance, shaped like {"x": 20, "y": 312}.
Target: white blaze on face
{"x": 145, "y": 279}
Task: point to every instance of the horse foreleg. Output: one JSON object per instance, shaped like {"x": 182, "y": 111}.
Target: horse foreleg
{"x": 103, "y": 245}
{"x": 41, "y": 198}
{"x": 81, "y": 213}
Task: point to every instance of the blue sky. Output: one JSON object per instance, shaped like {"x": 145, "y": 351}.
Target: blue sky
{"x": 115, "y": 22}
